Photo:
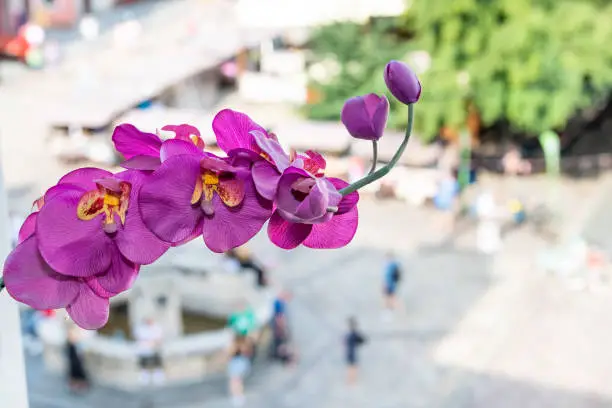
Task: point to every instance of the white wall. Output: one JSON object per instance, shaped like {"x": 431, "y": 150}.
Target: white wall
{"x": 300, "y": 13}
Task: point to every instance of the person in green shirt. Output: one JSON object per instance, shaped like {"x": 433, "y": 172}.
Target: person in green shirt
{"x": 243, "y": 322}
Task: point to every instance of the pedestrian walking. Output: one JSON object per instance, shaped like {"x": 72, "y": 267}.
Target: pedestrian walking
{"x": 78, "y": 379}
{"x": 352, "y": 341}
{"x": 149, "y": 336}
{"x": 239, "y": 353}
{"x": 391, "y": 280}
{"x": 282, "y": 349}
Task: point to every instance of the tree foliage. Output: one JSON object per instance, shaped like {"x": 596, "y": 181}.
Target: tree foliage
{"x": 532, "y": 63}
{"x": 354, "y": 57}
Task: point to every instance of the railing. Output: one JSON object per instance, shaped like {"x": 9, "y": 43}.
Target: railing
{"x": 575, "y": 166}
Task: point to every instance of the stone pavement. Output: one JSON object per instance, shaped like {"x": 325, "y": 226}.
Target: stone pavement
{"x": 476, "y": 331}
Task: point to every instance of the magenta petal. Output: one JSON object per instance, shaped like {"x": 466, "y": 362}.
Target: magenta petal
{"x": 186, "y": 132}
{"x": 265, "y": 177}
{"x": 165, "y": 199}
{"x": 313, "y": 207}
{"x": 232, "y": 130}
{"x": 27, "y": 228}
{"x": 182, "y": 131}
{"x": 273, "y": 149}
{"x": 110, "y": 183}
{"x": 69, "y": 245}
{"x": 285, "y": 234}
{"x": 135, "y": 241}
{"x": 348, "y": 201}
{"x": 119, "y": 277}
{"x": 145, "y": 163}
{"x": 215, "y": 163}
{"x": 176, "y": 147}
{"x": 89, "y": 310}
{"x": 62, "y": 188}
{"x": 336, "y": 233}
{"x": 30, "y": 280}
{"x": 84, "y": 177}
{"x": 130, "y": 142}
{"x": 231, "y": 227}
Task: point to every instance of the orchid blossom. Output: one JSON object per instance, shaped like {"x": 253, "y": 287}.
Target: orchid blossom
{"x": 201, "y": 194}
{"x": 87, "y": 236}
{"x": 93, "y": 220}
{"x": 30, "y": 280}
{"x": 143, "y": 150}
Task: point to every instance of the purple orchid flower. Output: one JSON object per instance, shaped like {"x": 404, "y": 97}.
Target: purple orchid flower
{"x": 202, "y": 194}
{"x": 143, "y": 151}
{"x": 303, "y": 217}
{"x": 30, "y": 280}
{"x": 92, "y": 223}
{"x": 237, "y": 134}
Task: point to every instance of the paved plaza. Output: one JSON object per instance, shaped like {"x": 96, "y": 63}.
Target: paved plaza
{"x": 475, "y": 332}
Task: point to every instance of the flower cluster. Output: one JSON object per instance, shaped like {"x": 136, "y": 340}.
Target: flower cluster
{"x": 88, "y": 235}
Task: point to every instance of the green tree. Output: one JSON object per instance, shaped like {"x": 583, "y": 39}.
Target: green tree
{"x": 355, "y": 56}
{"x": 532, "y": 63}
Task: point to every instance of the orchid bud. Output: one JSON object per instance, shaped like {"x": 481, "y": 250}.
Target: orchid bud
{"x": 365, "y": 117}
{"x": 402, "y": 82}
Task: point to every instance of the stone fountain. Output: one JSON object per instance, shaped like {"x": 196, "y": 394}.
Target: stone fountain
{"x": 190, "y": 293}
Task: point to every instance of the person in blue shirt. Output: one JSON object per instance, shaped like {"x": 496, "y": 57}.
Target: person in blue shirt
{"x": 391, "y": 279}
{"x": 352, "y": 341}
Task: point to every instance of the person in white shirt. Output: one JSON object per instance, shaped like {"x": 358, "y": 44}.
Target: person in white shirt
{"x": 149, "y": 336}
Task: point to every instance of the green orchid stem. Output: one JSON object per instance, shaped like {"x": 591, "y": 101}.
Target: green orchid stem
{"x": 383, "y": 171}
{"x": 374, "y": 156}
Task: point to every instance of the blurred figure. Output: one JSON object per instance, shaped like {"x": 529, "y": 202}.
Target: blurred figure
{"x": 243, "y": 321}
{"x": 240, "y": 353}
{"x": 353, "y": 339}
{"x": 149, "y": 336}
{"x": 77, "y": 376}
{"x": 488, "y": 233}
{"x": 444, "y": 200}
{"x": 391, "y": 279}
{"x": 281, "y": 345}
{"x": 243, "y": 256}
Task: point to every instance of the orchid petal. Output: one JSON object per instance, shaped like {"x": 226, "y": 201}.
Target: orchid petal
{"x": 135, "y": 241}
{"x": 273, "y": 149}
{"x": 84, "y": 177}
{"x": 110, "y": 183}
{"x": 348, "y": 201}
{"x": 266, "y": 177}
{"x": 231, "y": 191}
{"x": 30, "y": 280}
{"x": 287, "y": 235}
{"x": 89, "y": 310}
{"x": 175, "y": 147}
{"x": 165, "y": 199}
{"x": 216, "y": 164}
{"x": 335, "y": 233}
{"x": 130, "y": 142}
{"x": 120, "y": 276}
{"x": 69, "y": 245}
{"x": 188, "y": 133}
{"x": 232, "y": 130}
{"x": 231, "y": 227}
{"x": 28, "y": 228}
{"x": 144, "y": 163}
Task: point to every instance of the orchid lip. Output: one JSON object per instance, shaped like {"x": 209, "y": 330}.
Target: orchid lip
{"x": 110, "y": 199}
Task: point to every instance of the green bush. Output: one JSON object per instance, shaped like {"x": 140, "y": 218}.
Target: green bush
{"x": 532, "y": 63}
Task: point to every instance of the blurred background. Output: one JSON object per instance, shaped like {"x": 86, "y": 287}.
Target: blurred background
{"x": 480, "y": 274}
